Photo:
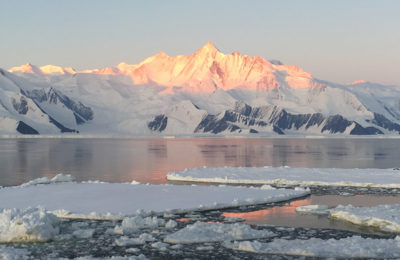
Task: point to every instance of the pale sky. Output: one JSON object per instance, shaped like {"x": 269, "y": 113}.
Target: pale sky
{"x": 339, "y": 41}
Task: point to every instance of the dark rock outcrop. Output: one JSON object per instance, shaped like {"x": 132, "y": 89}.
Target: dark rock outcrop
{"x": 159, "y": 123}
{"x": 26, "y": 129}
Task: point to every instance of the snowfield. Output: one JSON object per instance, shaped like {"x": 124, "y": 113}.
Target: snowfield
{"x": 384, "y": 178}
{"x": 383, "y": 217}
{"x": 351, "y": 247}
{"x": 95, "y": 200}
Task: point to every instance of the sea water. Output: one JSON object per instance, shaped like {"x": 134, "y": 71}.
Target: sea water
{"x": 148, "y": 161}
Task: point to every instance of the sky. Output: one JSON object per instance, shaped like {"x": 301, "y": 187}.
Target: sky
{"x": 339, "y": 41}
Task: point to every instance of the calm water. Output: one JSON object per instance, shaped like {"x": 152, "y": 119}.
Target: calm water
{"x": 148, "y": 160}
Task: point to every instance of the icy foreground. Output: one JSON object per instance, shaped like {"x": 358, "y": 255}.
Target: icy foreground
{"x": 388, "y": 178}
{"x": 115, "y": 200}
{"x": 351, "y": 247}
{"x": 382, "y": 217}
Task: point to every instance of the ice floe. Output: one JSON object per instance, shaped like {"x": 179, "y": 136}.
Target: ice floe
{"x": 201, "y": 232}
{"x": 382, "y": 217}
{"x": 61, "y": 177}
{"x": 83, "y": 233}
{"x": 351, "y": 247}
{"x": 127, "y": 241}
{"x": 389, "y": 178}
{"x": 28, "y": 225}
{"x": 313, "y": 209}
{"x": 94, "y": 200}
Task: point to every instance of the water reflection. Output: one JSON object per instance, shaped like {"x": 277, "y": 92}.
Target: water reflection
{"x": 148, "y": 160}
{"x": 285, "y": 214}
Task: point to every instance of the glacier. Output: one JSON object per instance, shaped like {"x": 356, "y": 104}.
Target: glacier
{"x": 206, "y": 93}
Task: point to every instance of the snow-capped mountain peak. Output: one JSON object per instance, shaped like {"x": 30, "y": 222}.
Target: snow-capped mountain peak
{"x": 45, "y": 70}
{"x": 208, "y": 50}
{"x": 26, "y": 68}
{"x": 51, "y": 69}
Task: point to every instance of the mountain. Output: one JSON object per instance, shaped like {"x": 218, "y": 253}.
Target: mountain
{"x": 207, "y": 92}
{"x": 208, "y": 69}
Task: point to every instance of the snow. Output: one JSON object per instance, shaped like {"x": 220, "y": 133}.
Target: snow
{"x": 351, "y": 247}
{"x": 28, "y": 225}
{"x": 201, "y": 232}
{"x": 313, "y": 209}
{"x": 383, "y": 217}
{"x": 95, "y": 200}
{"x": 387, "y": 178}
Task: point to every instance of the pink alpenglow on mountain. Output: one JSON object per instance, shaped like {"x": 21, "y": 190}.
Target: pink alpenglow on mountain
{"x": 208, "y": 69}
{"x": 46, "y": 70}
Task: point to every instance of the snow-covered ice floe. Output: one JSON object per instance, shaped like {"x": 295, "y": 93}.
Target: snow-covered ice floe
{"x": 201, "y": 232}
{"x": 383, "y": 217}
{"x": 94, "y": 200}
{"x": 350, "y": 247}
{"x": 385, "y": 178}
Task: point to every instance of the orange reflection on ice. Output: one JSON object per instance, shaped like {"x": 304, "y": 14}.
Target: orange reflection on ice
{"x": 263, "y": 214}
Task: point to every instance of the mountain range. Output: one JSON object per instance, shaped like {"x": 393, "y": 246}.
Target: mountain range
{"x": 206, "y": 93}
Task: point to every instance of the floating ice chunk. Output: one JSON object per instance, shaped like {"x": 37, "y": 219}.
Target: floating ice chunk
{"x": 388, "y": 178}
{"x": 171, "y": 224}
{"x": 313, "y": 209}
{"x": 61, "y": 177}
{"x": 201, "y": 232}
{"x": 127, "y": 241}
{"x": 233, "y": 219}
{"x": 137, "y": 222}
{"x": 42, "y": 180}
{"x": 132, "y": 250}
{"x": 205, "y": 248}
{"x": 351, "y": 247}
{"x": 83, "y": 233}
{"x": 383, "y": 217}
{"x": 28, "y": 225}
{"x": 176, "y": 247}
{"x": 160, "y": 246}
